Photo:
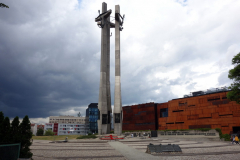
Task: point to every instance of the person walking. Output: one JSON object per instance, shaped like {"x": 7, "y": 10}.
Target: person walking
{"x": 236, "y": 139}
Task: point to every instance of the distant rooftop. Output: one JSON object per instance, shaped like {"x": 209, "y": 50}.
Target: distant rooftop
{"x": 208, "y": 91}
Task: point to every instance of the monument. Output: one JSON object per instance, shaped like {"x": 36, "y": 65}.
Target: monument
{"x": 118, "y": 116}
{"x": 104, "y": 101}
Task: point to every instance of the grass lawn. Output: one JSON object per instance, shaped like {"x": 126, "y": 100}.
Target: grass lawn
{"x": 57, "y": 138}
{"x": 87, "y": 136}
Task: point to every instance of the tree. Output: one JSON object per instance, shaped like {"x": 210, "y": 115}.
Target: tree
{"x": 40, "y": 132}
{"x": 1, "y": 125}
{"x": 3, "y": 5}
{"x": 15, "y": 132}
{"x": 1, "y": 117}
{"x": 49, "y": 133}
{"x": 6, "y": 131}
{"x": 234, "y": 74}
{"x": 26, "y": 135}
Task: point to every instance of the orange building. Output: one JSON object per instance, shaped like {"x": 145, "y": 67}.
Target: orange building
{"x": 204, "y": 111}
{"x": 140, "y": 117}
{"x": 212, "y": 110}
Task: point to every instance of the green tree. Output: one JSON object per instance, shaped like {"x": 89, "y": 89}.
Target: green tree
{"x": 49, "y": 133}
{"x": 234, "y": 74}
{"x": 3, "y": 5}
{"x": 26, "y": 135}
{"x": 1, "y": 126}
{"x": 40, "y": 132}
{"x": 1, "y": 117}
{"x": 15, "y": 132}
{"x": 6, "y": 131}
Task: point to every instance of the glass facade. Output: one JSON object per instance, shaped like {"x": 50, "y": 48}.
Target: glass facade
{"x": 93, "y": 117}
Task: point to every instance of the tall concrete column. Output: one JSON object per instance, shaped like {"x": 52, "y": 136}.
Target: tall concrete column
{"x": 104, "y": 101}
{"x": 108, "y": 79}
{"x": 117, "y": 94}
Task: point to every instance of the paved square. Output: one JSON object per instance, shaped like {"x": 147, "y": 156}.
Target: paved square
{"x": 133, "y": 148}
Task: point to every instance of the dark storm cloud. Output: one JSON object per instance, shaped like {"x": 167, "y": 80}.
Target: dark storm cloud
{"x": 45, "y": 67}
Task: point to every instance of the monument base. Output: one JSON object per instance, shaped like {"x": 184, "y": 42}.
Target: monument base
{"x": 161, "y": 149}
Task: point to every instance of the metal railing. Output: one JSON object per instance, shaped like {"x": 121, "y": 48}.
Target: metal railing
{"x": 208, "y": 91}
{"x": 10, "y": 151}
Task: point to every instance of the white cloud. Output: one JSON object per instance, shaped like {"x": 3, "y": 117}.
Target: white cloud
{"x": 39, "y": 120}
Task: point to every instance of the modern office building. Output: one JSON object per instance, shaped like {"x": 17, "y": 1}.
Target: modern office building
{"x": 92, "y": 114}
{"x": 67, "y": 129}
{"x": 68, "y": 119}
{"x": 201, "y": 109}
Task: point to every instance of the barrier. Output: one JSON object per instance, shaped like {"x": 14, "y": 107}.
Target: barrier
{"x": 189, "y": 133}
{"x": 111, "y": 137}
{"x": 10, "y": 151}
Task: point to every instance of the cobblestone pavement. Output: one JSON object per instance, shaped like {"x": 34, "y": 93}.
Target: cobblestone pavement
{"x": 133, "y": 148}
{"x": 72, "y": 151}
{"x": 191, "y": 150}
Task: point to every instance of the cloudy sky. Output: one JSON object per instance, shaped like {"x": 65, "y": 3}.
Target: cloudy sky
{"x": 50, "y": 52}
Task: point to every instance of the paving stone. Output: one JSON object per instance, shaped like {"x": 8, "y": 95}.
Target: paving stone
{"x": 192, "y": 150}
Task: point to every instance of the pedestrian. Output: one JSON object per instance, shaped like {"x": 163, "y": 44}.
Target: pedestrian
{"x": 236, "y": 139}
{"x": 233, "y": 140}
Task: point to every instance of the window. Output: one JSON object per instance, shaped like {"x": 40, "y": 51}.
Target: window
{"x": 191, "y": 106}
{"x": 177, "y": 111}
{"x": 98, "y": 115}
{"x": 164, "y": 112}
{"x": 104, "y": 118}
{"x": 182, "y": 103}
{"x": 179, "y": 122}
{"x": 117, "y": 118}
{"x": 213, "y": 98}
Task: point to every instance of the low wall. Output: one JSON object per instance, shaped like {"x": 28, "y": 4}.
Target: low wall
{"x": 211, "y": 135}
{"x": 137, "y": 133}
{"x": 197, "y": 133}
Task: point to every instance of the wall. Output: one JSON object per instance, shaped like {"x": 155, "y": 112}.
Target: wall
{"x": 212, "y": 110}
{"x": 73, "y": 129}
{"x": 67, "y": 129}
{"x": 139, "y": 117}
{"x": 68, "y": 119}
